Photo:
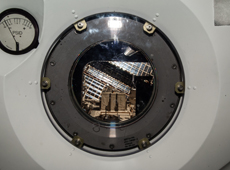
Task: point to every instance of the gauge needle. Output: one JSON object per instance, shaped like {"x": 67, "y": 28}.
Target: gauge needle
{"x": 17, "y": 44}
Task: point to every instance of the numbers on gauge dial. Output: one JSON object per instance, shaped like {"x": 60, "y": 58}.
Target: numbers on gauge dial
{"x": 16, "y": 32}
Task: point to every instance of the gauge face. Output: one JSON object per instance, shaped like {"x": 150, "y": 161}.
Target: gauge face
{"x": 18, "y": 31}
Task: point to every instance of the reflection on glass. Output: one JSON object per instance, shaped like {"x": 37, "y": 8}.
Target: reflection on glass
{"x": 114, "y": 23}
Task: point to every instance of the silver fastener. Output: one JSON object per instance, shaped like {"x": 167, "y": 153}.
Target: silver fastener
{"x": 45, "y": 83}
{"x": 80, "y": 25}
{"x": 180, "y": 88}
{"x": 149, "y": 27}
{"x": 52, "y": 63}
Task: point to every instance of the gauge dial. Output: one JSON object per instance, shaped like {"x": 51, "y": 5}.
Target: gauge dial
{"x": 18, "y": 31}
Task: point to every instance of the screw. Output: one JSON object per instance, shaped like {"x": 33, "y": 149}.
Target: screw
{"x": 174, "y": 66}
{"x": 52, "y": 63}
{"x": 144, "y": 144}
{"x": 77, "y": 142}
{"x": 180, "y": 88}
{"x": 75, "y": 134}
{"x": 111, "y": 146}
{"x": 80, "y": 25}
{"x": 148, "y": 135}
{"x": 45, "y": 83}
{"x": 149, "y": 27}
{"x": 52, "y": 102}
{"x": 172, "y": 105}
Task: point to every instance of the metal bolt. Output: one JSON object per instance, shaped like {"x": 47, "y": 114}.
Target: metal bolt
{"x": 52, "y": 102}
{"x": 144, "y": 144}
{"x": 180, "y": 88}
{"x": 45, "y": 83}
{"x": 80, "y": 25}
{"x": 111, "y": 146}
{"x": 172, "y": 105}
{"x": 78, "y": 142}
{"x": 52, "y": 63}
{"x": 148, "y": 135}
{"x": 174, "y": 66}
{"x": 149, "y": 27}
{"x": 75, "y": 134}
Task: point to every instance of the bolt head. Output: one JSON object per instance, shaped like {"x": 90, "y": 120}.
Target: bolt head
{"x": 78, "y": 142}
{"x": 52, "y": 63}
{"x": 80, "y": 24}
{"x": 45, "y": 83}
{"x": 149, "y": 27}
{"x": 111, "y": 146}
{"x": 52, "y": 102}
{"x": 148, "y": 135}
{"x": 144, "y": 144}
{"x": 174, "y": 66}
{"x": 180, "y": 88}
{"x": 172, "y": 105}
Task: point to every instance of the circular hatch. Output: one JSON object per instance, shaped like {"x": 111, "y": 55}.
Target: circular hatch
{"x": 112, "y": 84}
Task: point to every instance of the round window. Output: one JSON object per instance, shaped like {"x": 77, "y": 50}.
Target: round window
{"x": 112, "y": 84}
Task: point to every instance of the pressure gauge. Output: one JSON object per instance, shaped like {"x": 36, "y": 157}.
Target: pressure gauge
{"x": 18, "y": 31}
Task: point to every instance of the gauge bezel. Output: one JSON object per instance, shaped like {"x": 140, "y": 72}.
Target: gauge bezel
{"x": 34, "y": 43}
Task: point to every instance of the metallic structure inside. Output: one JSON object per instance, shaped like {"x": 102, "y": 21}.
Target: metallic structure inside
{"x": 104, "y": 97}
